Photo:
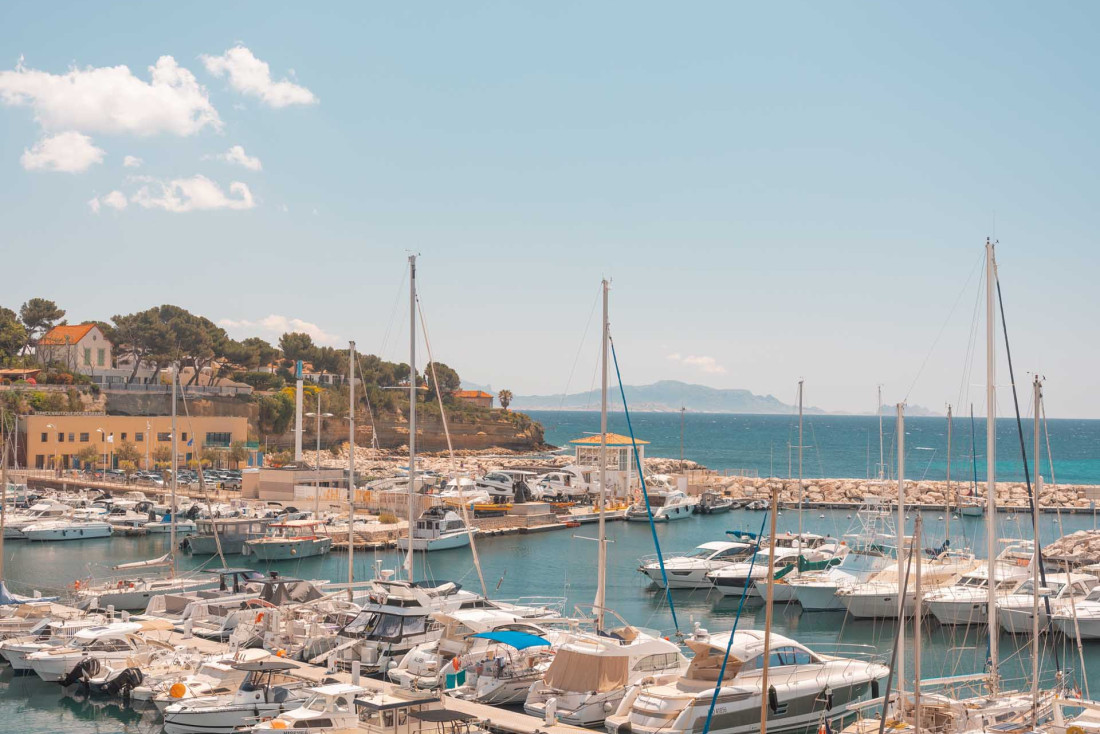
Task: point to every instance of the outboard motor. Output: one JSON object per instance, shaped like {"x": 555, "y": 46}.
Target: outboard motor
{"x": 521, "y": 493}
{"x": 86, "y": 668}
{"x": 124, "y": 682}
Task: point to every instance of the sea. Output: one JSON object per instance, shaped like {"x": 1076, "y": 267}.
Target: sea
{"x": 845, "y": 446}
{"x": 563, "y": 563}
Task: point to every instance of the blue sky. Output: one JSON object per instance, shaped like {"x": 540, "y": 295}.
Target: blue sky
{"x": 776, "y": 191}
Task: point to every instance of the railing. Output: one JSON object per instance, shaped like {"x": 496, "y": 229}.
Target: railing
{"x": 189, "y": 389}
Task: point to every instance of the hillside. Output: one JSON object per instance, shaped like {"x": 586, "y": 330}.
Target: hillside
{"x": 666, "y": 396}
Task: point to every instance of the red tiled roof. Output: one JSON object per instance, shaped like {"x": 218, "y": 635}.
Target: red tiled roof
{"x": 59, "y": 336}
{"x": 471, "y": 394}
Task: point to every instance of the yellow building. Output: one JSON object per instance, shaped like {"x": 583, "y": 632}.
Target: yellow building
{"x": 50, "y": 441}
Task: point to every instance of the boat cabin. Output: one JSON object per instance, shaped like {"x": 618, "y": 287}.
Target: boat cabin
{"x": 437, "y": 521}
{"x": 403, "y": 711}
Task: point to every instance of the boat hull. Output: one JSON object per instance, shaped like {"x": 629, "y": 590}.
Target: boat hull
{"x": 288, "y": 550}
{"x": 458, "y": 540}
{"x": 818, "y": 597}
{"x": 70, "y": 533}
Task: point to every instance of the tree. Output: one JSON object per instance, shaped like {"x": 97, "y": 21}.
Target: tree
{"x": 238, "y": 452}
{"x": 13, "y": 335}
{"x": 276, "y": 412}
{"x": 327, "y": 359}
{"x": 128, "y": 468}
{"x": 265, "y": 353}
{"x": 88, "y": 455}
{"x": 144, "y": 337}
{"x": 505, "y": 398}
{"x": 162, "y": 455}
{"x": 39, "y": 315}
{"x": 126, "y": 451}
{"x": 296, "y": 345}
{"x": 449, "y": 381}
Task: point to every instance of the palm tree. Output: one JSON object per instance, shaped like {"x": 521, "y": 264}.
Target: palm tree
{"x": 505, "y": 398}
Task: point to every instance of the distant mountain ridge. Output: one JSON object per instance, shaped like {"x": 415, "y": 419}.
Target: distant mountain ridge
{"x": 665, "y": 396}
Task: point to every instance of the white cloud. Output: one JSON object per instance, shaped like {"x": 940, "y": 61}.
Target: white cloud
{"x": 708, "y": 365}
{"x": 251, "y": 76}
{"x": 70, "y": 152}
{"x": 276, "y": 325}
{"x": 236, "y": 155}
{"x": 93, "y": 204}
{"x": 116, "y": 200}
{"x": 132, "y": 161}
{"x": 111, "y": 99}
{"x": 191, "y": 194}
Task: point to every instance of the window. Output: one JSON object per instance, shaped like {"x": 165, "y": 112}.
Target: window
{"x": 39, "y": 462}
{"x": 61, "y": 437}
{"x": 84, "y": 437}
{"x": 87, "y": 357}
{"x": 123, "y": 437}
{"x": 99, "y": 357}
{"x": 71, "y": 437}
{"x": 660, "y": 661}
{"x": 139, "y": 436}
{"x": 164, "y": 436}
{"x": 184, "y": 437}
{"x": 45, "y": 437}
{"x": 218, "y": 438}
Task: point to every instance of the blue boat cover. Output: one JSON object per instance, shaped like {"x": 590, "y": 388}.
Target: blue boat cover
{"x": 512, "y": 638}
{"x": 8, "y": 598}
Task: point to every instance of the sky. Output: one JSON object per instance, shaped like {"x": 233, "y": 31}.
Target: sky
{"x": 777, "y": 192}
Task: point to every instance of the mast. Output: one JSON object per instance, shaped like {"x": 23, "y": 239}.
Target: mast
{"x": 916, "y": 550}
{"x": 412, "y": 412}
{"x": 800, "y": 442}
{"x": 950, "y": 498}
{"x": 769, "y": 607}
{"x": 1036, "y": 563}
{"x": 990, "y": 457}
{"x": 601, "y": 563}
{"x": 351, "y": 466}
{"x": 902, "y": 585}
{"x": 3, "y": 484}
{"x": 881, "y": 452}
{"x": 175, "y": 470}
{"x": 682, "y": 411}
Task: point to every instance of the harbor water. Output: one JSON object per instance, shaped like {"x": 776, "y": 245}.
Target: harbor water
{"x": 559, "y": 563}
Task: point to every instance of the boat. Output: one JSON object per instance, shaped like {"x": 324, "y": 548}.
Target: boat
{"x": 591, "y": 672}
{"x": 689, "y": 570}
{"x": 212, "y": 677}
{"x": 67, "y": 529}
{"x": 41, "y": 511}
{"x": 806, "y": 687}
{"x": 268, "y": 689}
{"x": 328, "y": 708}
{"x": 88, "y": 648}
{"x": 438, "y": 529}
{"x": 290, "y": 540}
{"x": 877, "y": 598}
{"x": 665, "y": 504}
{"x": 713, "y": 503}
{"x": 164, "y": 525}
{"x": 500, "y": 484}
{"x": 53, "y": 633}
{"x": 231, "y": 532}
{"x": 1079, "y": 619}
{"x": 133, "y": 593}
{"x": 503, "y": 672}
{"x": 1014, "y": 611}
{"x": 736, "y": 579}
{"x": 568, "y": 483}
{"x": 967, "y": 600}
{"x": 400, "y": 711}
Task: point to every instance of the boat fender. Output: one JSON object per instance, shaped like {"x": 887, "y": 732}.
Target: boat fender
{"x": 826, "y": 697}
{"x": 1075, "y": 729}
{"x": 773, "y": 699}
{"x": 874, "y": 688}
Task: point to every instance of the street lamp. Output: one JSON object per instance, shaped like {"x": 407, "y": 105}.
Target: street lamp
{"x": 103, "y": 440}
{"x": 317, "y": 459}
{"x": 148, "y": 429}
{"x": 55, "y": 452}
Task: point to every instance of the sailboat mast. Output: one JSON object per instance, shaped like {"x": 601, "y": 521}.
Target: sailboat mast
{"x": 800, "y": 466}
{"x": 412, "y": 412}
{"x": 1037, "y": 561}
{"x": 601, "y": 563}
{"x": 916, "y": 550}
{"x": 769, "y": 610}
{"x": 351, "y": 467}
{"x": 950, "y": 498}
{"x": 3, "y": 485}
{"x": 175, "y": 470}
{"x": 990, "y": 457}
{"x": 902, "y": 586}
{"x": 881, "y": 451}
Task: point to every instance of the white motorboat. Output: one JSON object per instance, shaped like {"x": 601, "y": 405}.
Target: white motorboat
{"x": 967, "y": 600}
{"x": 807, "y": 688}
{"x": 458, "y": 491}
{"x": 54, "y": 633}
{"x": 689, "y": 570}
{"x": 1014, "y": 611}
{"x": 878, "y": 596}
{"x": 464, "y": 637}
{"x": 665, "y": 504}
{"x": 71, "y": 529}
{"x": 591, "y": 673}
{"x": 328, "y": 708}
{"x": 1079, "y": 618}
{"x": 290, "y": 540}
{"x": 267, "y": 690}
{"x": 90, "y": 647}
{"x": 164, "y": 526}
{"x": 500, "y": 484}
{"x": 438, "y": 529}
{"x": 568, "y": 483}
{"x": 39, "y": 512}
{"x": 824, "y": 556}
{"x": 736, "y": 579}
{"x": 212, "y": 677}
{"x": 132, "y": 593}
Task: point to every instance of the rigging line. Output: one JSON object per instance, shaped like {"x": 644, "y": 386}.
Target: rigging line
{"x": 971, "y": 345}
{"x": 450, "y": 448}
{"x": 1031, "y": 499}
{"x": 733, "y": 632}
{"x": 641, "y": 478}
{"x": 943, "y": 326}
{"x": 202, "y": 475}
{"x": 375, "y": 443}
{"x": 393, "y": 313}
{"x": 897, "y": 638}
{"x": 580, "y": 349}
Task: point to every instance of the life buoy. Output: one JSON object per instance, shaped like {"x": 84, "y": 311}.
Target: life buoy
{"x": 259, "y": 617}
{"x": 455, "y": 664}
{"x": 76, "y": 585}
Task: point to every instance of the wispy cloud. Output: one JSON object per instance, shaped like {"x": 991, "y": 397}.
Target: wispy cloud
{"x": 275, "y": 325}
{"x": 251, "y": 76}
{"x": 709, "y": 365}
{"x": 132, "y": 161}
{"x": 237, "y": 156}
{"x": 191, "y": 194}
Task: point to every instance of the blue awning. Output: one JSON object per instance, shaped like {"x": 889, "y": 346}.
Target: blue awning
{"x": 512, "y": 638}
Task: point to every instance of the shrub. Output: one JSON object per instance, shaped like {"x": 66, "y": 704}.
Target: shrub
{"x": 387, "y": 518}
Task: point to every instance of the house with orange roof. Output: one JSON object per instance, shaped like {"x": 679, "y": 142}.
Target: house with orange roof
{"x": 480, "y": 398}
{"x": 80, "y": 347}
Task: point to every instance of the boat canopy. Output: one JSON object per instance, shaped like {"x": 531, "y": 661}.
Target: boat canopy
{"x": 707, "y": 663}
{"x": 164, "y": 560}
{"x": 578, "y": 672}
{"x": 514, "y": 638}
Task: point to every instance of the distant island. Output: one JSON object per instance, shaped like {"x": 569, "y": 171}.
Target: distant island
{"x": 668, "y": 396}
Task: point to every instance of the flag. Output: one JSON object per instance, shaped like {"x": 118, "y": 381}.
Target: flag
{"x": 191, "y": 441}
{"x": 110, "y": 438}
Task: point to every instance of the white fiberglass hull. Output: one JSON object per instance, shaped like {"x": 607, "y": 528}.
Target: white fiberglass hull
{"x": 137, "y": 598}
{"x": 679, "y": 578}
{"x": 961, "y": 611}
{"x": 183, "y": 527}
{"x": 1018, "y": 620}
{"x": 818, "y": 597}
{"x": 447, "y": 542}
{"x": 660, "y": 514}
{"x": 877, "y": 604}
{"x": 190, "y": 719}
{"x": 69, "y": 532}
{"x": 1089, "y": 627}
{"x": 576, "y": 709}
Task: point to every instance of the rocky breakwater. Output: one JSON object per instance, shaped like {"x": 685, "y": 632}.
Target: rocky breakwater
{"x": 853, "y": 491}
{"x": 1076, "y": 549}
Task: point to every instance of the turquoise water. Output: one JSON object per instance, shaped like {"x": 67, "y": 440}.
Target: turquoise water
{"x": 841, "y": 445}
{"x": 558, "y": 563}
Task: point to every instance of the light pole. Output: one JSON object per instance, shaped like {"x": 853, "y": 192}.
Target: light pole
{"x": 148, "y": 429}
{"x": 55, "y": 453}
{"x": 317, "y": 459}
{"x": 103, "y": 440}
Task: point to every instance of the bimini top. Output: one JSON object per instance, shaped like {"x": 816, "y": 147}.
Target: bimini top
{"x": 265, "y": 666}
{"x": 514, "y": 638}
{"x": 613, "y": 439}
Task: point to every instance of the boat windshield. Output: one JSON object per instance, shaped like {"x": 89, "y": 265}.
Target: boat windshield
{"x": 786, "y": 656}
{"x": 385, "y": 626}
